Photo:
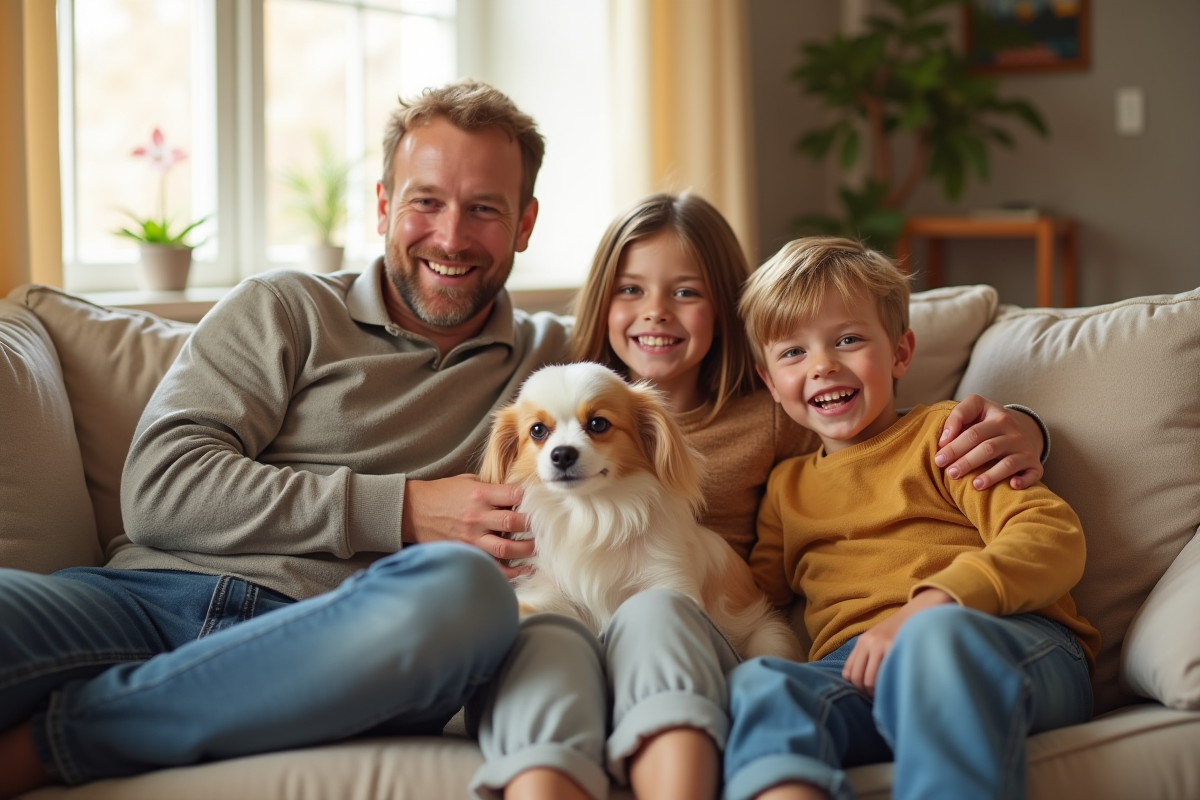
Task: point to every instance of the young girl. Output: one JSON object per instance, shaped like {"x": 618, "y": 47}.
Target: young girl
{"x": 660, "y": 304}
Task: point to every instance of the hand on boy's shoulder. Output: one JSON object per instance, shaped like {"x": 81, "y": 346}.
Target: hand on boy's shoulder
{"x": 990, "y": 444}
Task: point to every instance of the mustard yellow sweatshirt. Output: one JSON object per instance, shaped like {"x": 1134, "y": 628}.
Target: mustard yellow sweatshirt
{"x": 857, "y": 532}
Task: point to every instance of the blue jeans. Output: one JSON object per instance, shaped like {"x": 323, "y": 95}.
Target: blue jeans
{"x": 127, "y": 671}
{"x": 955, "y": 700}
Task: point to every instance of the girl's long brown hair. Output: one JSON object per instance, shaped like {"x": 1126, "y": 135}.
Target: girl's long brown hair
{"x": 727, "y": 370}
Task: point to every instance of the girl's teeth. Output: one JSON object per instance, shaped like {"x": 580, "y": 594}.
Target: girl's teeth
{"x": 655, "y": 341}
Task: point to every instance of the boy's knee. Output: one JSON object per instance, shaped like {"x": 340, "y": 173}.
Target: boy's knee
{"x": 940, "y": 643}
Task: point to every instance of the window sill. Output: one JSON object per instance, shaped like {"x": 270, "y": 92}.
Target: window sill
{"x": 186, "y": 306}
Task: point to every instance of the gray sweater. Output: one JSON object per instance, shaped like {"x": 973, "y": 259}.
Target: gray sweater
{"x": 277, "y": 446}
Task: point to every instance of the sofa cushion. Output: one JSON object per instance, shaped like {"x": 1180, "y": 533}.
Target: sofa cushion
{"x": 46, "y": 520}
{"x": 1119, "y": 386}
{"x": 112, "y": 360}
{"x": 946, "y": 322}
{"x": 1161, "y": 655}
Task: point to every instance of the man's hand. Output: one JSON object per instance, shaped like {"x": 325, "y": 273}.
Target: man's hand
{"x": 979, "y": 432}
{"x": 872, "y": 647}
{"x": 464, "y": 509}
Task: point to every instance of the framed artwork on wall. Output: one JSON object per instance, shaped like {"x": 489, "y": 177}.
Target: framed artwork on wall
{"x": 1026, "y": 36}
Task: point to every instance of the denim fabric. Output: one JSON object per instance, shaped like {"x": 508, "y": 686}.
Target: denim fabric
{"x": 956, "y": 698}
{"x": 125, "y": 671}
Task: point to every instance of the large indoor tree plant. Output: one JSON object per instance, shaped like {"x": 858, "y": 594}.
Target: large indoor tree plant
{"x": 902, "y": 77}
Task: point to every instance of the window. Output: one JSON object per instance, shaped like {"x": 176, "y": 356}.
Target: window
{"x": 249, "y": 87}
{"x": 247, "y": 90}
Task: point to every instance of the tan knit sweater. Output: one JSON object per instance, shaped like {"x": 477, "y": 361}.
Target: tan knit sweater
{"x": 750, "y": 436}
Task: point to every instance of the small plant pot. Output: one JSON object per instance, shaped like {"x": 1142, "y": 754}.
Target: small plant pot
{"x": 325, "y": 258}
{"x": 165, "y": 267}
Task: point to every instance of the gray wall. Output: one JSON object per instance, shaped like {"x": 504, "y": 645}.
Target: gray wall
{"x": 1137, "y": 199}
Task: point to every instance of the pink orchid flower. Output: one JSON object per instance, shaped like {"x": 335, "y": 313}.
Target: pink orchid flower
{"x": 161, "y": 157}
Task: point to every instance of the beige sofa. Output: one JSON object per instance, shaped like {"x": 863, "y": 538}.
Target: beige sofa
{"x": 1118, "y": 385}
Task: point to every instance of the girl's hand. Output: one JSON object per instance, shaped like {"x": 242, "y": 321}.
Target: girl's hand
{"x": 872, "y": 647}
{"x": 980, "y": 432}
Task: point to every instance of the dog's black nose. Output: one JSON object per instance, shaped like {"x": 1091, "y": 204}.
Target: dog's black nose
{"x": 564, "y": 456}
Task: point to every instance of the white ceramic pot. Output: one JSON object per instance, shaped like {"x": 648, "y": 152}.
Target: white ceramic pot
{"x": 165, "y": 267}
{"x": 325, "y": 258}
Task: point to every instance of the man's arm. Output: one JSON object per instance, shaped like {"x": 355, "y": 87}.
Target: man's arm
{"x": 980, "y": 432}
{"x": 192, "y": 481}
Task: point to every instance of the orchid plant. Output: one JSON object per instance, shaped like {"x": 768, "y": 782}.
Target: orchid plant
{"x": 158, "y": 230}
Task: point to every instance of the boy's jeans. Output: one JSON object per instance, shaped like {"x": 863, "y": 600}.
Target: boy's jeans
{"x": 126, "y": 671}
{"x": 954, "y": 702}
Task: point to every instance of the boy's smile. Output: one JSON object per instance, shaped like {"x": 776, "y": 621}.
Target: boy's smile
{"x": 833, "y": 373}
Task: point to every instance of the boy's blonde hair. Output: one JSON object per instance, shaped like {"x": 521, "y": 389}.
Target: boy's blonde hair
{"x": 471, "y": 106}
{"x": 789, "y": 288}
{"x": 728, "y": 368}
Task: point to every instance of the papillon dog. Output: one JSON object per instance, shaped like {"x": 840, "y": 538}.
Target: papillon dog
{"x": 612, "y": 490}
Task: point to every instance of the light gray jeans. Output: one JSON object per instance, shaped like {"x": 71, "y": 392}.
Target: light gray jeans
{"x": 660, "y": 664}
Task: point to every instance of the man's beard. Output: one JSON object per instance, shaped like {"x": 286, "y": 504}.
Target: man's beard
{"x": 444, "y": 307}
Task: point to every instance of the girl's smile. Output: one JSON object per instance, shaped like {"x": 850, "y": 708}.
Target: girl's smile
{"x": 661, "y": 320}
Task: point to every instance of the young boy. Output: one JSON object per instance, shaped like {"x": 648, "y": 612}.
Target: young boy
{"x": 943, "y": 632}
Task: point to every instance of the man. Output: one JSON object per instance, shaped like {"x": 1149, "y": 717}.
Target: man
{"x": 312, "y": 427}
{"x": 264, "y": 597}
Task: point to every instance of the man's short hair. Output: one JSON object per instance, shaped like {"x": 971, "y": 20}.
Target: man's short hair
{"x": 470, "y": 105}
{"x": 789, "y": 287}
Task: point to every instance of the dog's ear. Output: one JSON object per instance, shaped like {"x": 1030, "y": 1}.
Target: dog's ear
{"x": 502, "y": 447}
{"x": 676, "y": 462}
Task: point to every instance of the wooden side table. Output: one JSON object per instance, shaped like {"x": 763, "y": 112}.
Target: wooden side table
{"x": 1043, "y": 230}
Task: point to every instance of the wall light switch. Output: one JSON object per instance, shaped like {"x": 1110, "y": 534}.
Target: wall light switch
{"x": 1131, "y": 111}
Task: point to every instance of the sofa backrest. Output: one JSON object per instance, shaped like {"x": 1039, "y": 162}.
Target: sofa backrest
{"x": 1119, "y": 387}
{"x": 111, "y": 361}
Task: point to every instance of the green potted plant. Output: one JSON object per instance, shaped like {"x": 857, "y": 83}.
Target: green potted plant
{"x": 317, "y": 200}
{"x": 166, "y": 258}
{"x": 903, "y": 75}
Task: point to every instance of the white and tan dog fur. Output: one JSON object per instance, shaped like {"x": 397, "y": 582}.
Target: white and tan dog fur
{"x": 612, "y": 490}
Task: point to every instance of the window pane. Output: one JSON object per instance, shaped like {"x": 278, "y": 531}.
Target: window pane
{"x": 305, "y": 72}
{"x": 440, "y": 8}
{"x": 133, "y": 73}
{"x": 404, "y": 55}
{"x": 334, "y": 71}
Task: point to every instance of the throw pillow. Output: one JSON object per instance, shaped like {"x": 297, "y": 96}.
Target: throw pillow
{"x": 112, "y": 359}
{"x": 1161, "y": 655}
{"x": 46, "y": 520}
{"x": 946, "y": 323}
{"x": 1119, "y": 387}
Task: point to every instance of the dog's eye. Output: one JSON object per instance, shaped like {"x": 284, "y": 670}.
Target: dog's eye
{"x": 598, "y": 425}
{"x": 539, "y": 431}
